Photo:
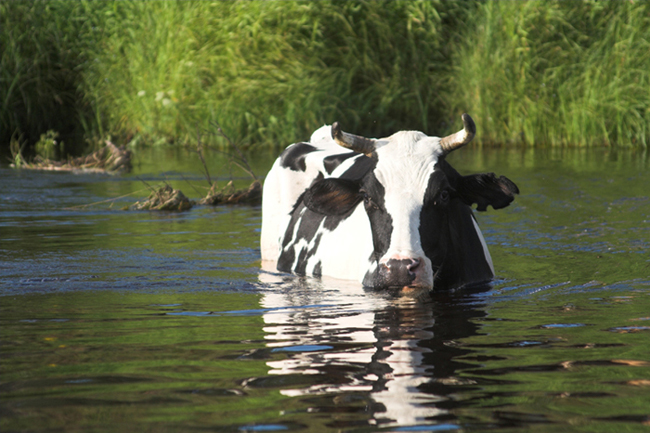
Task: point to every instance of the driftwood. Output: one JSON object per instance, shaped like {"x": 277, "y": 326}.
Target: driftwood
{"x": 110, "y": 158}
{"x": 229, "y": 195}
{"x": 165, "y": 198}
{"x": 170, "y": 199}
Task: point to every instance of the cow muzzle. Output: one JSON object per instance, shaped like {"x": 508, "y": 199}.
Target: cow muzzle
{"x": 403, "y": 273}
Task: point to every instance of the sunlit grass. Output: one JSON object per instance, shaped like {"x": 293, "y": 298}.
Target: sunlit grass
{"x": 269, "y": 72}
{"x": 543, "y": 73}
{"x": 573, "y": 73}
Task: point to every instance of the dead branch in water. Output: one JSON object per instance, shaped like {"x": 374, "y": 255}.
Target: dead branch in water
{"x": 240, "y": 160}
{"x": 110, "y": 200}
{"x": 230, "y": 195}
{"x": 108, "y": 159}
{"x": 165, "y": 198}
{"x": 199, "y": 151}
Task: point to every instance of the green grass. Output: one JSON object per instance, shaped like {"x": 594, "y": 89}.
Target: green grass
{"x": 268, "y": 72}
{"x": 554, "y": 73}
{"x": 540, "y": 73}
{"x": 43, "y": 47}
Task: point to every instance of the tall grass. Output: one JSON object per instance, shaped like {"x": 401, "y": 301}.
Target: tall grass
{"x": 557, "y": 72}
{"x": 43, "y": 47}
{"x": 270, "y": 72}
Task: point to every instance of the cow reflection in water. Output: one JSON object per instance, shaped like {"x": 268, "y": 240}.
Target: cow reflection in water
{"x": 392, "y": 351}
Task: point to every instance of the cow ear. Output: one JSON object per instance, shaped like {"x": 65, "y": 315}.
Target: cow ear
{"x": 332, "y": 196}
{"x": 486, "y": 189}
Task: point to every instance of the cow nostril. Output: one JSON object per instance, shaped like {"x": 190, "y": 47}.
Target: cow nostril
{"x": 413, "y": 265}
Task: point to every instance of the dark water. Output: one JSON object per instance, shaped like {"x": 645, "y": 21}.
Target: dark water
{"x": 141, "y": 321}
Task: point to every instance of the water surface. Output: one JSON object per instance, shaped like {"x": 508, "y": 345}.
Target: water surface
{"x": 116, "y": 320}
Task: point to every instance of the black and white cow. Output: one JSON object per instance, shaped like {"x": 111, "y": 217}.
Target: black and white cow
{"x": 390, "y": 212}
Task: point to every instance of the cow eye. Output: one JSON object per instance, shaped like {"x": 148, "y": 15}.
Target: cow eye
{"x": 442, "y": 199}
{"x": 367, "y": 200}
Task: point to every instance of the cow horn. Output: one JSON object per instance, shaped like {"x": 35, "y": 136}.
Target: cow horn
{"x": 353, "y": 142}
{"x": 460, "y": 138}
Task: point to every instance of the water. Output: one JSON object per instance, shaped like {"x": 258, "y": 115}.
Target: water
{"x": 117, "y": 320}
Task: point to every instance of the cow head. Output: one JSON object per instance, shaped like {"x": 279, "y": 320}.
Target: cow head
{"x": 419, "y": 208}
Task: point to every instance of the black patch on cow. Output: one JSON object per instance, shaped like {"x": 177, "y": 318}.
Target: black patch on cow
{"x": 381, "y": 222}
{"x": 448, "y": 236}
{"x": 294, "y": 156}
{"x": 333, "y": 161}
{"x": 304, "y": 256}
{"x": 332, "y": 222}
{"x": 286, "y": 259}
{"x": 308, "y": 223}
{"x": 361, "y": 166}
{"x": 439, "y": 190}
{"x": 329, "y": 202}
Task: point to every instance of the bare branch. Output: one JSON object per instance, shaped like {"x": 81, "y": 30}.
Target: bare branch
{"x": 242, "y": 159}
{"x": 199, "y": 150}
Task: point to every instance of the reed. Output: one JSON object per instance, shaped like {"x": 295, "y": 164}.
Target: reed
{"x": 42, "y": 52}
{"x": 542, "y": 73}
{"x": 269, "y": 72}
{"x": 556, "y": 73}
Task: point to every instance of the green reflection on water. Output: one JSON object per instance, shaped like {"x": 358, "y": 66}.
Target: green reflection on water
{"x": 70, "y": 360}
{"x": 581, "y": 215}
{"x": 566, "y": 354}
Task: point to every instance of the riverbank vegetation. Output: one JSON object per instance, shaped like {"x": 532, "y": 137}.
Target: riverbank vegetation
{"x": 535, "y": 73}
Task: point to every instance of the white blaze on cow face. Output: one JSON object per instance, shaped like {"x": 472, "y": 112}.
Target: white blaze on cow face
{"x": 406, "y": 161}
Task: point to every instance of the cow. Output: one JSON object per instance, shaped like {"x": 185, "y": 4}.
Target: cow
{"x": 391, "y": 213}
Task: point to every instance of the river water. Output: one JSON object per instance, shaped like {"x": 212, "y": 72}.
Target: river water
{"x": 115, "y": 320}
